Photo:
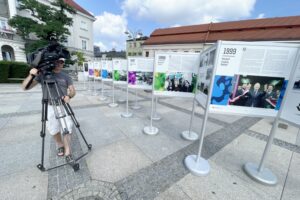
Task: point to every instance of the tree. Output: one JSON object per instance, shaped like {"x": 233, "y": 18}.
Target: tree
{"x": 80, "y": 59}
{"x": 46, "y": 23}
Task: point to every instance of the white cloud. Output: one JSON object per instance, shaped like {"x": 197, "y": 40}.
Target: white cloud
{"x": 260, "y": 16}
{"x": 109, "y": 31}
{"x": 187, "y": 12}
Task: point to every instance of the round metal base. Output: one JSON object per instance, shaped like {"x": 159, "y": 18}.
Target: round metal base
{"x": 150, "y": 130}
{"x": 200, "y": 168}
{"x": 136, "y": 107}
{"x": 156, "y": 117}
{"x": 121, "y": 100}
{"x": 103, "y": 98}
{"x": 189, "y": 135}
{"x": 265, "y": 176}
{"x": 126, "y": 115}
{"x": 113, "y": 105}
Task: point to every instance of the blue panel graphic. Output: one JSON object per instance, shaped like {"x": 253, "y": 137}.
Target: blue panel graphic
{"x": 282, "y": 93}
{"x": 104, "y": 73}
{"x": 222, "y": 88}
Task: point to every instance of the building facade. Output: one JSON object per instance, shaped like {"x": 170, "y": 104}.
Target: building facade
{"x": 197, "y": 38}
{"x": 80, "y": 39}
{"x": 11, "y": 44}
{"x": 134, "y": 46}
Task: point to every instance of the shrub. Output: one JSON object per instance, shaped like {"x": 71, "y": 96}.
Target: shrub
{"x": 12, "y": 70}
{"x": 4, "y": 70}
{"x": 18, "y": 70}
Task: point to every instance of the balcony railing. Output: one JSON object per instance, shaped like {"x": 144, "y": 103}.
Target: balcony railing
{"x": 6, "y": 33}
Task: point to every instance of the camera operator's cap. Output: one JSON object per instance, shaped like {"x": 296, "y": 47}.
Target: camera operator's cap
{"x": 62, "y": 59}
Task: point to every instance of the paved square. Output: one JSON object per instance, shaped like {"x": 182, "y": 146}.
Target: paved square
{"x": 127, "y": 164}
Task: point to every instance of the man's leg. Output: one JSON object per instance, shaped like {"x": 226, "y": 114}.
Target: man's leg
{"x": 58, "y": 140}
{"x": 67, "y": 140}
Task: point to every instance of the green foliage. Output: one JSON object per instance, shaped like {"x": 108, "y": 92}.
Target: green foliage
{"x": 116, "y": 75}
{"x": 46, "y": 22}
{"x": 4, "y": 70}
{"x": 18, "y": 70}
{"x": 159, "y": 83}
{"x": 80, "y": 58}
{"x": 13, "y": 70}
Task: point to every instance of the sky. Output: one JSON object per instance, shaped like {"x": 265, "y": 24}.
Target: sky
{"x": 114, "y": 17}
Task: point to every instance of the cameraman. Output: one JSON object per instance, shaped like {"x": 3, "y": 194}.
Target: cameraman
{"x": 67, "y": 88}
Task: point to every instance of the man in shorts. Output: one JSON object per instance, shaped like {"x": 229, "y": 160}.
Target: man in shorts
{"x": 54, "y": 127}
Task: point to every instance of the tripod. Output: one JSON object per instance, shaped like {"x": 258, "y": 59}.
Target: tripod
{"x": 52, "y": 94}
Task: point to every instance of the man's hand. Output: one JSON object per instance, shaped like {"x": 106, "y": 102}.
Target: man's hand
{"x": 29, "y": 82}
{"x": 33, "y": 72}
{"x": 66, "y": 99}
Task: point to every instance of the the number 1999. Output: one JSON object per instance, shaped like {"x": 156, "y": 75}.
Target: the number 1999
{"x": 229, "y": 50}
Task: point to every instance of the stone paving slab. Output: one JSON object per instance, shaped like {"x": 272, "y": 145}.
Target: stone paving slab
{"x": 116, "y": 161}
{"x": 20, "y": 149}
{"x": 219, "y": 184}
{"x": 158, "y": 146}
{"x": 291, "y": 189}
{"x": 264, "y": 127}
{"x": 247, "y": 149}
{"x": 173, "y": 193}
{"x": 26, "y": 184}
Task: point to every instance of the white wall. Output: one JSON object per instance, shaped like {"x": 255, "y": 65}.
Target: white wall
{"x": 17, "y": 47}
{"x": 196, "y": 47}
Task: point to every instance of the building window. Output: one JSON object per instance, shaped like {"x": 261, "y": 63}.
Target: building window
{"x": 134, "y": 54}
{"x": 147, "y": 53}
{"x": 129, "y": 54}
{"x": 197, "y": 51}
{"x": 83, "y": 25}
{"x": 84, "y": 45}
{"x": 140, "y": 53}
{"x": 3, "y": 24}
{"x": 7, "y": 53}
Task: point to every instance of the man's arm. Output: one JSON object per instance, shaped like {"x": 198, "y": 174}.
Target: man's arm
{"x": 71, "y": 93}
{"x": 32, "y": 73}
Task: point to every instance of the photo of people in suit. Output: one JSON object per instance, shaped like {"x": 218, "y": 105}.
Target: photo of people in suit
{"x": 175, "y": 82}
{"x": 256, "y": 91}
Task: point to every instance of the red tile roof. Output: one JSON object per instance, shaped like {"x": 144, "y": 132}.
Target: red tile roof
{"x": 76, "y": 6}
{"x": 269, "y": 29}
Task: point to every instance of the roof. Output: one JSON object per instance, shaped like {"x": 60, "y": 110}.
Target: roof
{"x": 77, "y": 7}
{"x": 268, "y": 29}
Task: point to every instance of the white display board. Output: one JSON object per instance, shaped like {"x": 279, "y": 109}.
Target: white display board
{"x": 106, "y": 70}
{"x": 97, "y": 70}
{"x": 119, "y": 71}
{"x": 250, "y": 77}
{"x": 205, "y": 73}
{"x": 90, "y": 69}
{"x": 175, "y": 74}
{"x": 291, "y": 107}
{"x": 140, "y": 73}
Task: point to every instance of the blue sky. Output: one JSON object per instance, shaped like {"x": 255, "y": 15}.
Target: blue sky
{"x": 115, "y": 16}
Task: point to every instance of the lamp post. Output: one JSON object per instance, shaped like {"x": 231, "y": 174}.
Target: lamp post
{"x": 134, "y": 35}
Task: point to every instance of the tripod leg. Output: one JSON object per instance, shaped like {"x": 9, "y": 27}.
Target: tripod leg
{"x": 43, "y": 132}
{"x": 72, "y": 115}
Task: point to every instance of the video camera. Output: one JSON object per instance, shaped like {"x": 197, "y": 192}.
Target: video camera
{"x": 44, "y": 58}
